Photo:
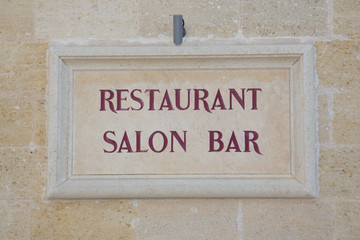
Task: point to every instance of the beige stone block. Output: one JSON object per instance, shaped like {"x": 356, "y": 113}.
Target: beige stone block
{"x": 346, "y": 18}
{"x": 287, "y": 219}
{"x": 338, "y": 64}
{"x": 340, "y": 172}
{"x": 27, "y": 84}
{"x": 16, "y": 20}
{"x": 202, "y": 18}
{"x": 85, "y": 19}
{"x": 346, "y": 7}
{"x": 324, "y": 121}
{"x": 347, "y": 220}
{"x": 22, "y": 56}
{"x": 23, "y": 69}
{"x": 284, "y": 18}
{"x": 346, "y": 123}
{"x": 22, "y": 173}
{"x": 347, "y": 27}
{"x": 15, "y": 218}
{"x": 16, "y": 122}
{"x": 82, "y": 220}
{"x": 22, "y": 84}
{"x": 39, "y": 127}
{"x": 188, "y": 219}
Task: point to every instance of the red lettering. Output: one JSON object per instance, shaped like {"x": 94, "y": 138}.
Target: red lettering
{"x": 166, "y": 102}
{"x": 110, "y": 141}
{"x": 201, "y": 97}
{"x": 212, "y": 139}
{"x": 198, "y": 98}
{"x": 103, "y": 99}
{"x": 151, "y": 98}
{"x": 151, "y": 141}
{"x": 218, "y": 98}
{"x": 233, "y": 144}
{"x": 241, "y": 100}
{"x": 182, "y": 142}
{"x": 252, "y": 140}
{"x": 125, "y": 141}
{"x": 178, "y": 100}
{"x": 119, "y": 99}
{"x": 254, "y": 97}
{"x": 138, "y": 142}
{"x": 137, "y": 99}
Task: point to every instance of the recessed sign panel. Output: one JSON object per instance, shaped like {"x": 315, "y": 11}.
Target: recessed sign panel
{"x": 181, "y": 122}
{"x": 202, "y": 122}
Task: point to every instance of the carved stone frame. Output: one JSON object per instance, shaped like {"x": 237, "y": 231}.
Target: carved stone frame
{"x": 298, "y": 59}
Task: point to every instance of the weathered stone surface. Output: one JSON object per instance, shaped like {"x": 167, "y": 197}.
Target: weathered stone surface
{"x": 324, "y": 121}
{"x": 16, "y": 121}
{"x": 339, "y": 172}
{"x": 39, "y": 120}
{"x": 22, "y": 86}
{"x": 20, "y": 57}
{"x": 103, "y": 220}
{"x": 16, "y": 20}
{"x": 347, "y": 26}
{"x": 23, "y": 119}
{"x": 347, "y": 220}
{"x": 22, "y": 173}
{"x": 347, "y": 117}
{"x": 287, "y": 219}
{"x": 346, "y": 18}
{"x": 15, "y": 218}
{"x": 284, "y": 18}
{"x": 23, "y": 69}
{"x": 188, "y": 219}
{"x": 202, "y": 18}
{"x": 85, "y": 19}
{"x": 338, "y": 64}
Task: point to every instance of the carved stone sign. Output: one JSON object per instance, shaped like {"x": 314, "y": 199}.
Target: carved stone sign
{"x": 147, "y": 122}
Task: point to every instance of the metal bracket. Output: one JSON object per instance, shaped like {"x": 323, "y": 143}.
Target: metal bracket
{"x": 179, "y": 29}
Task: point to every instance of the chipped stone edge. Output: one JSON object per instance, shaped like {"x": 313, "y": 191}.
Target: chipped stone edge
{"x": 61, "y": 184}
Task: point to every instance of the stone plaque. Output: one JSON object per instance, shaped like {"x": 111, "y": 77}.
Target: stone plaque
{"x": 153, "y": 122}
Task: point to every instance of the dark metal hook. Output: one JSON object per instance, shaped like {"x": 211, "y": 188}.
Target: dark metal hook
{"x": 179, "y": 30}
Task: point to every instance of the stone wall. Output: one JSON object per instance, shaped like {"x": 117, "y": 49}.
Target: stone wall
{"x": 28, "y": 26}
